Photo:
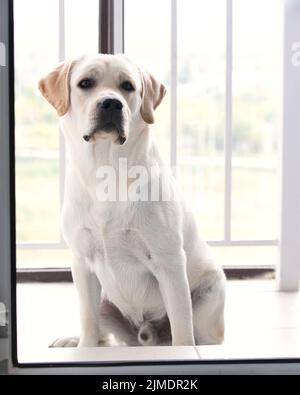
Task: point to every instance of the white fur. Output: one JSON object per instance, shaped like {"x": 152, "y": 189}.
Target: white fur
{"x": 145, "y": 257}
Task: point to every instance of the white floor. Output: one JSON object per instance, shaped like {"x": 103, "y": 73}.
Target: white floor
{"x": 260, "y": 323}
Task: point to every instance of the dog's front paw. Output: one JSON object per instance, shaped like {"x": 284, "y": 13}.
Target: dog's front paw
{"x": 65, "y": 342}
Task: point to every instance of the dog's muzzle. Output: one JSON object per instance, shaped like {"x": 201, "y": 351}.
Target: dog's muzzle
{"x": 109, "y": 118}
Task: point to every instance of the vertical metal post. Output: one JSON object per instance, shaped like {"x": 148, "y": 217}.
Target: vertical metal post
{"x": 106, "y": 32}
{"x": 173, "y": 109}
{"x": 288, "y": 272}
{"x": 228, "y": 126}
{"x": 118, "y": 26}
{"x": 111, "y": 26}
{"x": 62, "y": 144}
{"x": 8, "y": 339}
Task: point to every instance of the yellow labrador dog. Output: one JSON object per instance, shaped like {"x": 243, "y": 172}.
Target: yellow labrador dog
{"x": 140, "y": 268}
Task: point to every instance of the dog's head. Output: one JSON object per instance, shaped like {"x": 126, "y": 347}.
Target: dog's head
{"x": 103, "y": 95}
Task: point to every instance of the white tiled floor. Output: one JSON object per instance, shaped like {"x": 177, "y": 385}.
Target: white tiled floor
{"x": 260, "y": 323}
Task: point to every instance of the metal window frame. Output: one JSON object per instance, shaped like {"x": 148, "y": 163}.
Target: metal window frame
{"x": 7, "y": 188}
{"x": 228, "y": 126}
{"x": 288, "y": 270}
{"x": 111, "y": 40}
{"x": 111, "y": 23}
{"x": 63, "y": 275}
{"x": 173, "y": 87}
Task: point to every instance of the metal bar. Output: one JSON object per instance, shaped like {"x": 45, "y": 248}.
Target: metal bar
{"x": 289, "y": 268}
{"x": 44, "y": 275}
{"x": 103, "y": 23}
{"x": 65, "y": 274}
{"x": 228, "y": 126}
{"x": 106, "y": 26}
{"x": 61, "y": 34}
{"x": 215, "y": 243}
{"x": 62, "y": 144}
{"x": 173, "y": 90}
{"x": 118, "y": 26}
{"x": 41, "y": 245}
{"x": 7, "y": 189}
{"x": 243, "y": 243}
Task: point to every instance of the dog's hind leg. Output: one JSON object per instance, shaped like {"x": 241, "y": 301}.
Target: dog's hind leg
{"x": 208, "y": 301}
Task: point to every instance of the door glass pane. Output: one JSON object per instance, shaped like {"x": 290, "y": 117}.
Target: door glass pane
{"x": 37, "y": 134}
{"x": 201, "y": 110}
{"x": 257, "y": 96}
{"x": 147, "y": 42}
{"x": 37, "y": 129}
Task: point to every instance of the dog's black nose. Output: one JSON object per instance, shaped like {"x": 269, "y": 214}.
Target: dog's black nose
{"x": 111, "y": 105}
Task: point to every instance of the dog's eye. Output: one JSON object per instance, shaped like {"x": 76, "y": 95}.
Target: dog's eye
{"x": 86, "y": 83}
{"x": 127, "y": 86}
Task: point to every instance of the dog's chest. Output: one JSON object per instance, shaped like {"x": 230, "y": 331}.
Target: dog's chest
{"x": 126, "y": 280}
{"x": 135, "y": 294}
{"x": 124, "y": 273}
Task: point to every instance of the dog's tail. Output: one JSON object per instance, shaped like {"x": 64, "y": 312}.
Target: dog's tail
{"x": 147, "y": 334}
{"x": 113, "y": 321}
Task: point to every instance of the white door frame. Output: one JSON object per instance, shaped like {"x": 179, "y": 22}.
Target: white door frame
{"x": 288, "y": 271}
{"x": 5, "y": 195}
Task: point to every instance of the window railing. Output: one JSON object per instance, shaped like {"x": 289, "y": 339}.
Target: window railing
{"x": 290, "y": 213}
{"x": 112, "y": 41}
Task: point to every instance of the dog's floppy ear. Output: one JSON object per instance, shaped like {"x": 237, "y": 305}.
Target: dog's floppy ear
{"x": 152, "y": 95}
{"x": 55, "y": 87}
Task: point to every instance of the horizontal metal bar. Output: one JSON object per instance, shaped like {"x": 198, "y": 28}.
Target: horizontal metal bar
{"x": 242, "y": 243}
{"x": 41, "y": 245}
{"x": 214, "y": 243}
{"x": 56, "y": 275}
{"x": 65, "y": 275}
{"x": 238, "y": 163}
